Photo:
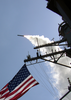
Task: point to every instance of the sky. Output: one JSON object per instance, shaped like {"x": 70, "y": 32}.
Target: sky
{"x": 26, "y": 17}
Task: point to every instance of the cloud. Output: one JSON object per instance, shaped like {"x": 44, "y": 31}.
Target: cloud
{"x": 60, "y": 73}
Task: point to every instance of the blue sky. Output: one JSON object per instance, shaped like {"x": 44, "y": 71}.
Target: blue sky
{"x": 27, "y": 17}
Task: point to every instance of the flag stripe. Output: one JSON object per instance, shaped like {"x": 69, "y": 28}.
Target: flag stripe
{"x": 23, "y": 82}
{"x": 24, "y": 91}
{"x": 21, "y": 89}
{"x": 35, "y": 83}
{"x": 19, "y": 85}
{"x": 6, "y": 93}
{"x": 2, "y": 90}
{"x": 16, "y": 95}
{"x": 5, "y": 87}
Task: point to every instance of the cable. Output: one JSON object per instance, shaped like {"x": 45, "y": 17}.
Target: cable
{"x": 45, "y": 83}
{"x": 48, "y": 80}
{"x": 42, "y": 79}
{"x": 35, "y": 63}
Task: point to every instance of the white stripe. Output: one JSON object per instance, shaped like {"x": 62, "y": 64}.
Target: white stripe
{"x": 5, "y": 93}
{"x": 19, "y": 89}
{"x": 17, "y": 86}
{"x": 29, "y": 86}
{"x": 3, "y": 89}
{"x": 22, "y": 83}
{"x": 2, "y": 99}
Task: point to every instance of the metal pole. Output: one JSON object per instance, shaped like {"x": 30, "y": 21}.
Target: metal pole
{"x": 64, "y": 95}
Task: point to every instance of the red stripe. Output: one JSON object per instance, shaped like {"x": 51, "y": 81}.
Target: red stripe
{"x": 27, "y": 90}
{"x": 19, "y": 94}
{"x": 3, "y": 88}
{"x": 20, "y": 86}
{"x": 2, "y": 92}
{"x": 4, "y": 95}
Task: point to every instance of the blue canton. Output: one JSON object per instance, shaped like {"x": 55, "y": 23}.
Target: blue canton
{"x": 18, "y": 78}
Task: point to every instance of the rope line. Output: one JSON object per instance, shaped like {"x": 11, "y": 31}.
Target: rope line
{"x": 47, "y": 78}
{"x": 44, "y": 84}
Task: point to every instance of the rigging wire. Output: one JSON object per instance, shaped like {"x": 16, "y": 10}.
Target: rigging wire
{"x": 40, "y": 62}
{"x": 47, "y": 76}
{"x": 44, "y": 83}
{"x": 40, "y": 73}
{"x": 49, "y": 81}
{"x": 35, "y": 63}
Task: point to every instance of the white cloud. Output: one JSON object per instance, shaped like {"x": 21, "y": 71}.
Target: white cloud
{"x": 60, "y": 73}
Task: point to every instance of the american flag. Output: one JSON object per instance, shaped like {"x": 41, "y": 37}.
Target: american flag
{"x": 18, "y": 86}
